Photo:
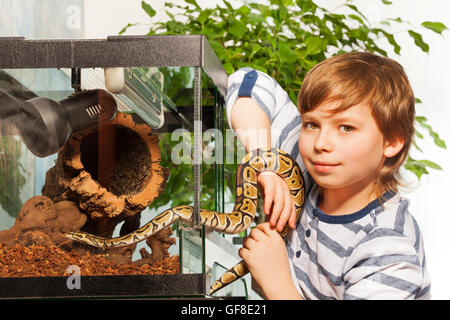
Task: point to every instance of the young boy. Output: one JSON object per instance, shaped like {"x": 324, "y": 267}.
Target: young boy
{"x": 350, "y": 135}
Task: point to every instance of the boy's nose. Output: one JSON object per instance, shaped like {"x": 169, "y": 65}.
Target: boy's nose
{"x": 323, "y": 142}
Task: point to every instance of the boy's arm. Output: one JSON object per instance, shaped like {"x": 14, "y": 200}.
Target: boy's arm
{"x": 252, "y": 127}
{"x": 250, "y": 124}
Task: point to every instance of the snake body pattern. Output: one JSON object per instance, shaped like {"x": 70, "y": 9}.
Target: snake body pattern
{"x": 243, "y": 214}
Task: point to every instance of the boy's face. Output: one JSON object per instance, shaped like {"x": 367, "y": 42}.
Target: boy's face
{"x": 344, "y": 149}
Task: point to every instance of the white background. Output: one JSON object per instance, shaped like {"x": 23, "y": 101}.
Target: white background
{"x": 429, "y": 77}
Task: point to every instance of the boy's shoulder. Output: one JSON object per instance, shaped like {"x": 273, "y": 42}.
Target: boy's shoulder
{"x": 391, "y": 253}
{"x": 391, "y": 223}
{"x": 395, "y": 215}
{"x": 239, "y": 75}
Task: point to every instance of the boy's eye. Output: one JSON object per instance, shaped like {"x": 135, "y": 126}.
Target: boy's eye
{"x": 309, "y": 125}
{"x": 345, "y": 128}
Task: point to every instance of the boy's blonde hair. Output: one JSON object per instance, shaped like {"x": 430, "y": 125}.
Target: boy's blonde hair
{"x": 380, "y": 82}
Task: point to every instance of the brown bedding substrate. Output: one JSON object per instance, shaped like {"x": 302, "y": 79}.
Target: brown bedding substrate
{"x": 35, "y": 261}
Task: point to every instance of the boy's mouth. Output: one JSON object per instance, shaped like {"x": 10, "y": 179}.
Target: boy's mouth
{"x": 323, "y": 167}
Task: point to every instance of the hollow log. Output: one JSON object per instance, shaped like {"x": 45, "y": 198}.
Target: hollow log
{"x": 112, "y": 173}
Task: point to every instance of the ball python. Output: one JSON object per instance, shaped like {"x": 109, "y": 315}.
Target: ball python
{"x": 243, "y": 214}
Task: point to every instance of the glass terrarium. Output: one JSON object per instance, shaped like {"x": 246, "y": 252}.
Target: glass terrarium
{"x": 162, "y": 148}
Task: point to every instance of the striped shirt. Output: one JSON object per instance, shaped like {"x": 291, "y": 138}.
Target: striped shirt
{"x": 375, "y": 253}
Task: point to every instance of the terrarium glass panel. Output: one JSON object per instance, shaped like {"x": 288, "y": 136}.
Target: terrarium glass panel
{"x": 107, "y": 181}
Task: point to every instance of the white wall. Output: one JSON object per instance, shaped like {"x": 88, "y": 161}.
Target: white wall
{"x": 430, "y": 79}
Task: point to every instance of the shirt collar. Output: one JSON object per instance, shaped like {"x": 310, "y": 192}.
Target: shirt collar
{"x": 346, "y": 218}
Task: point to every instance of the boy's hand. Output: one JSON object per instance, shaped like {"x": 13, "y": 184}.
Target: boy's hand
{"x": 278, "y": 203}
{"x": 265, "y": 255}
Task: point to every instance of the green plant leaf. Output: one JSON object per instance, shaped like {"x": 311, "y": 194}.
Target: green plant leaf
{"x": 419, "y": 135}
{"x": 391, "y": 40}
{"x": 237, "y": 29}
{"x": 419, "y": 167}
{"x": 355, "y": 17}
{"x": 148, "y": 9}
{"x": 398, "y": 19}
{"x": 124, "y": 29}
{"x": 430, "y": 164}
{"x": 415, "y": 144}
{"x": 415, "y": 167}
{"x": 229, "y": 6}
{"x": 314, "y": 45}
{"x": 437, "y": 27}
{"x": 419, "y": 41}
{"x": 307, "y": 6}
{"x": 244, "y": 10}
{"x": 355, "y": 8}
{"x": 193, "y": 2}
{"x": 437, "y": 140}
{"x": 203, "y": 16}
{"x": 228, "y": 68}
{"x": 287, "y": 55}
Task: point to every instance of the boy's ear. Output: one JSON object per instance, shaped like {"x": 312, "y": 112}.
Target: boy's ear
{"x": 393, "y": 147}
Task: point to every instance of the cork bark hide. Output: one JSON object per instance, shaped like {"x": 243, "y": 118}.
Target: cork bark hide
{"x": 111, "y": 173}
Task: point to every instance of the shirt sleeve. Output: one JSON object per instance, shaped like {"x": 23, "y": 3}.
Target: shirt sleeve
{"x": 385, "y": 265}
{"x": 247, "y": 82}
